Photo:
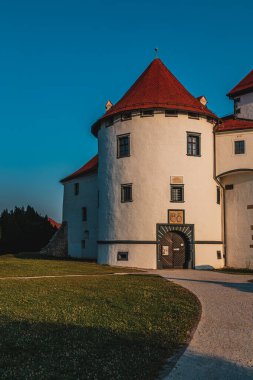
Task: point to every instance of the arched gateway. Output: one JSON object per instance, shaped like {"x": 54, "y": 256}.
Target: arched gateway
{"x": 175, "y": 246}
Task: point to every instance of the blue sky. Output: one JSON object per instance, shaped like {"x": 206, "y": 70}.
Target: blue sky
{"x": 61, "y": 60}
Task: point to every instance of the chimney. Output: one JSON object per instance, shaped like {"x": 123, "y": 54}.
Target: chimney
{"x": 108, "y": 105}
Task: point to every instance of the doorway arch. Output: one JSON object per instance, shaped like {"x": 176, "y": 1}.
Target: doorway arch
{"x": 175, "y": 246}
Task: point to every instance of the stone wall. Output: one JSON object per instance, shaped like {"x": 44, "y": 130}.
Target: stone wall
{"x": 58, "y": 245}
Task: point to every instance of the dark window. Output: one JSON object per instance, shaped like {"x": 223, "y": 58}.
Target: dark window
{"x": 126, "y": 193}
{"x": 193, "y": 144}
{"x": 177, "y": 193}
{"x": 122, "y": 256}
{"x": 126, "y": 116}
{"x": 76, "y": 188}
{"x": 240, "y": 147}
{"x": 84, "y": 214}
{"x": 147, "y": 113}
{"x": 237, "y": 100}
{"x": 218, "y": 255}
{"x": 218, "y": 195}
{"x": 171, "y": 113}
{"x": 238, "y": 110}
{"x": 229, "y": 187}
{"x": 123, "y": 149}
{"x": 83, "y": 243}
{"x": 109, "y": 121}
{"x": 193, "y": 115}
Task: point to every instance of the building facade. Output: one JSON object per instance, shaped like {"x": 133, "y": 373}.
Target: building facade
{"x": 167, "y": 183}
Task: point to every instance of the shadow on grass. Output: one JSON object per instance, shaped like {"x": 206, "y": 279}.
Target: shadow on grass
{"x": 39, "y": 256}
{"x": 53, "y": 351}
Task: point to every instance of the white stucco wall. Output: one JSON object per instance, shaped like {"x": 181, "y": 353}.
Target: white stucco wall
{"x": 239, "y": 220}
{"x": 246, "y": 106}
{"x": 158, "y": 151}
{"x": 226, "y": 159}
{"x": 72, "y": 213}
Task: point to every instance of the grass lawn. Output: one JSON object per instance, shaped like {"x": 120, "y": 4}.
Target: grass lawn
{"x": 97, "y": 327}
{"x": 33, "y": 264}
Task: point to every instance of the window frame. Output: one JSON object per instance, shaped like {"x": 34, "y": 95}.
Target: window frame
{"x": 123, "y": 186}
{"x": 119, "y": 137}
{"x": 127, "y": 115}
{"x": 147, "y": 113}
{"x": 244, "y": 147}
{"x": 76, "y": 188}
{"x": 193, "y": 134}
{"x": 171, "y": 113}
{"x": 119, "y": 253}
{"x": 174, "y": 186}
{"x": 84, "y": 214}
{"x": 193, "y": 115}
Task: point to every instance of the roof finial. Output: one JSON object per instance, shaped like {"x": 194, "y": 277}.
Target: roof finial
{"x": 156, "y": 52}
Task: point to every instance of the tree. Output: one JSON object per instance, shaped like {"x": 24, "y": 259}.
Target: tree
{"x": 24, "y": 230}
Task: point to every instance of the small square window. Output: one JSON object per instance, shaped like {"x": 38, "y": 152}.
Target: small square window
{"x": 193, "y": 115}
{"x": 218, "y": 195}
{"x": 122, "y": 256}
{"x": 219, "y": 255}
{"x": 171, "y": 113}
{"x": 76, "y": 188}
{"x": 147, "y": 113}
{"x": 123, "y": 146}
{"x": 109, "y": 121}
{"x": 238, "y": 110}
{"x": 126, "y": 116}
{"x": 177, "y": 193}
{"x": 193, "y": 144}
{"x": 84, "y": 214}
{"x": 83, "y": 244}
{"x": 239, "y": 147}
{"x": 126, "y": 193}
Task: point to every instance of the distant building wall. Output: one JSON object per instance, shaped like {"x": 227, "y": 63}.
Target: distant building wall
{"x": 82, "y": 235}
{"x": 245, "y": 104}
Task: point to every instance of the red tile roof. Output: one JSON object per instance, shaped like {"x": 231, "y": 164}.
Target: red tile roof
{"x": 157, "y": 87}
{"x": 90, "y": 167}
{"x": 231, "y": 123}
{"x": 246, "y": 85}
{"x": 54, "y": 223}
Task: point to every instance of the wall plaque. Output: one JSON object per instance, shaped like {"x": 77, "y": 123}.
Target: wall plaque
{"x": 176, "y": 216}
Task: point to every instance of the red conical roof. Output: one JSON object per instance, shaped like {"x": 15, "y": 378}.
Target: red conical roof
{"x": 90, "y": 167}
{"x": 157, "y": 87}
{"x": 246, "y": 85}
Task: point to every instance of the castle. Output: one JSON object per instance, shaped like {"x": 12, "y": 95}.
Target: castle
{"x": 172, "y": 184}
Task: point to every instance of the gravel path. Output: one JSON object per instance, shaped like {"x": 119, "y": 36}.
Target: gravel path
{"x": 222, "y": 346}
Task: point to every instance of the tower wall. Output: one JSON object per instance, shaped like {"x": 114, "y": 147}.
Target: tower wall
{"x": 158, "y": 151}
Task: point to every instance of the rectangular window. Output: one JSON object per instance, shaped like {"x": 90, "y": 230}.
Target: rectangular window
{"x": 147, "y": 113}
{"x": 239, "y": 147}
{"x": 238, "y": 110}
{"x": 177, "y": 193}
{"x": 126, "y": 193}
{"x": 229, "y": 187}
{"x": 171, "y": 113}
{"x": 193, "y": 115}
{"x": 123, "y": 146}
{"x": 84, "y": 214}
{"x": 218, "y": 195}
{"x": 83, "y": 244}
{"x": 219, "y": 255}
{"x": 76, "y": 188}
{"x": 237, "y": 100}
{"x": 193, "y": 144}
{"x": 122, "y": 256}
{"x": 126, "y": 116}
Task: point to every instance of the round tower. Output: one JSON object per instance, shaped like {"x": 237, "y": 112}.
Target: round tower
{"x": 159, "y": 205}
